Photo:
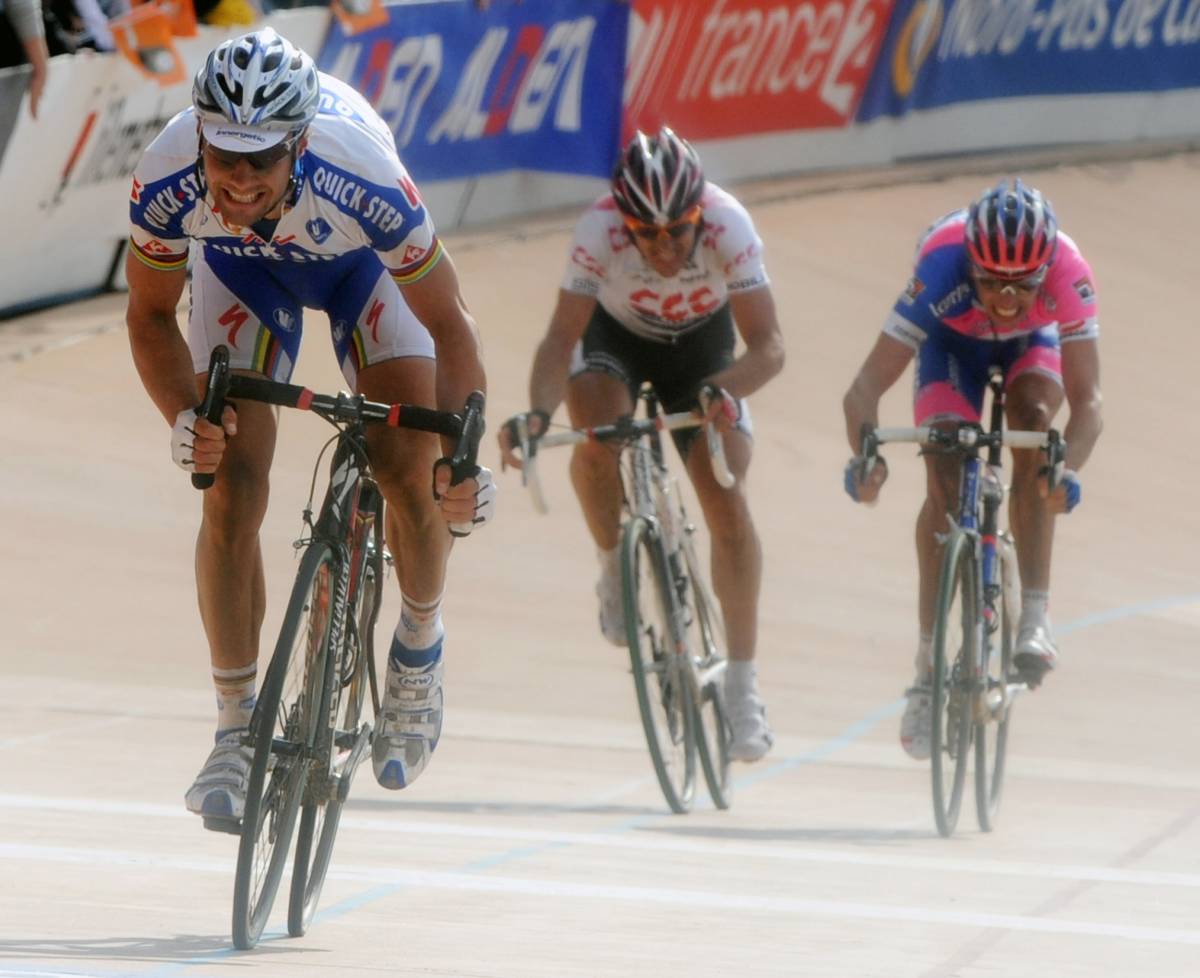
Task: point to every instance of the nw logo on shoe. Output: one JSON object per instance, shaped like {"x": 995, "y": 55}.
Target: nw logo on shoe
{"x": 422, "y": 681}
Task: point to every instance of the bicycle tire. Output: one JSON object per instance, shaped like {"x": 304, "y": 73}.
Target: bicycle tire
{"x": 282, "y": 730}
{"x": 991, "y": 736}
{"x": 954, "y": 643}
{"x": 706, "y": 639}
{"x": 664, "y": 700}
{"x": 321, "y": 811}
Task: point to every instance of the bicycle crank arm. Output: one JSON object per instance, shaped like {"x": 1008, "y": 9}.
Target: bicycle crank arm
{"x": 361, "y": 745}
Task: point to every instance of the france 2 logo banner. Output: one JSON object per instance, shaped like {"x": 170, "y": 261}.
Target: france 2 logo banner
{"x": 533, "y": 86}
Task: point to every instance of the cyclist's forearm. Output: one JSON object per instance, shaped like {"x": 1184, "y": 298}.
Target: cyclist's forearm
{"x": 548, "y": 378}
{"x": 860, "y": 406}
{"x": 163, "y": 363}
{"x": 752, "y": 370}
{"x": 1082, "y": 432}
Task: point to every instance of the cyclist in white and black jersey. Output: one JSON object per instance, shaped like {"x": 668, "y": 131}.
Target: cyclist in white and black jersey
{"x": 290, "y": 182}
{"x": 665, "y": 273}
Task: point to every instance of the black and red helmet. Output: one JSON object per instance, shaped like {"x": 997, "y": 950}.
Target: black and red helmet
{"x": 1011, "y": 231}
{"x": 658, "y": 178}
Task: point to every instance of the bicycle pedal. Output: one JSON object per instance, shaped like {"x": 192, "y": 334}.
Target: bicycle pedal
{"x": 222, "y": 823}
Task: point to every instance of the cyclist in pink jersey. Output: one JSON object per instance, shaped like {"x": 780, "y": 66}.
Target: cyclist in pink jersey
{"x": 662, "y": 272}
{"x": 995, "y": 284}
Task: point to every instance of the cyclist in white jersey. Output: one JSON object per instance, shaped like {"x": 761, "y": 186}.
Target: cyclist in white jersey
{"x": 290, "y": 183}
{"x": 662, "y": 272}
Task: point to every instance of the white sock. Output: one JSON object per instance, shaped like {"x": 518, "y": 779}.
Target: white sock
{"x": 610, "y": 562}
{"x": 1035, "y": 607}
{"x": 235, "y": 697}
{"x": 420, "y": 627}
{"x": 741, "y": 676}
{"x": 923, "y": 662}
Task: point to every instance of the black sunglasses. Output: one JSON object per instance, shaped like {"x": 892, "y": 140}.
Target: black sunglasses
{"x": 1030, "y": 283}
{"x": 262, "y": 159}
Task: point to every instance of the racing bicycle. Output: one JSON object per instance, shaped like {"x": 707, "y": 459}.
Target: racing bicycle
{"x": 974, "y": 682}
{"x": 674, "y": 630}
{"x": 308, "y": 732}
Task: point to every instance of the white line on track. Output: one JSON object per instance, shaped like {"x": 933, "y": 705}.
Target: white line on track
{"x": 558, "y": 889}
{"x": 631, "y": 841}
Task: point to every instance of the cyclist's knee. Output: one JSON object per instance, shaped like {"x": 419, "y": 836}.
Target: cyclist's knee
{"x": 236, "y": 504}
{"x": 408, "y": 489}
{"x": 594, "y": 460}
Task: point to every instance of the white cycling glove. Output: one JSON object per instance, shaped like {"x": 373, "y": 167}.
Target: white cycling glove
{"x": 183, "y": 436}
{"x": 485, "y": 503}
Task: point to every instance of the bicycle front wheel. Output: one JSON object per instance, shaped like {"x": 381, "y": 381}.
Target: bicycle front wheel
{"x": 664, "y": 697}
{"x": 332, "y": 771}
{"x": 991, "y": 730}
{"x": 282, "y": 730}
{"x": 955, "y": 636}
{"x": 706, "y": 642}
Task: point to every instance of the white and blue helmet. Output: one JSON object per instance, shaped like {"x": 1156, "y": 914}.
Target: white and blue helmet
{"x": 255, "y": 90}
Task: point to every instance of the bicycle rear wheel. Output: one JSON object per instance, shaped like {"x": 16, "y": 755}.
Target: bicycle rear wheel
{"x": 331, "y": 773}
{"x": 706, "y": 640}
{"x": 282, "y": 730}
{"x": 955, "y": 637}
{"x": 991, "y": 734}
{"x": 664, "y": 699}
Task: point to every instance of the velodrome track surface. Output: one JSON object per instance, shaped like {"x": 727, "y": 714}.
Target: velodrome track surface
{"x": 537, "y": 844}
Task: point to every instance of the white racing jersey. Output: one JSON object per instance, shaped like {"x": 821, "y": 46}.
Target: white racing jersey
{"x": 605, "y": 263}
{"x": 351, "y": 193}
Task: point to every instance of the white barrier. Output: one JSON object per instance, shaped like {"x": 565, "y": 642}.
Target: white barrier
{"x": 64, "y": 179}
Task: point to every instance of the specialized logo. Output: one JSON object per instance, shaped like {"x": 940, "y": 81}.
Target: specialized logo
{"x": 318, "y": 229}
{"x": 233, "y": 319}
{"x": 374, "y": 315}
{"x": 917, "y": 39}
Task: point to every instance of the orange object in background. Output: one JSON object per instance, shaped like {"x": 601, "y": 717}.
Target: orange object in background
{"x": 182, "y": 14}
{"x": 357, "y": 16}
{"x": 145, "y": 36}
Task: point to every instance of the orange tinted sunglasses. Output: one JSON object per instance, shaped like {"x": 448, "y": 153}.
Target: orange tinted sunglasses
{"x": 675, "y": 230}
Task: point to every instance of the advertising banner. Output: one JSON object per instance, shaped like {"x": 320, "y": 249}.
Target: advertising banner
{"x": 533, "y": 85}
{"x": 719, "y": 68}
{"x": 940, "y": 52}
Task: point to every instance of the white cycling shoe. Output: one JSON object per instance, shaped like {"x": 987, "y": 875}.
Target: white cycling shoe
{"x": 219, "y": 791}
{"x": 612, "y": 609}
{"x": 751, "y": 735}
{"x": 1036, "y": 653}
{"x": 409, "y": 722}
{"x": 916, "y": 725}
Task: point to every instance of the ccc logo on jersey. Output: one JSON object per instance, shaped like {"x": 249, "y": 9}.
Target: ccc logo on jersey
{"x": 675, "y": 307}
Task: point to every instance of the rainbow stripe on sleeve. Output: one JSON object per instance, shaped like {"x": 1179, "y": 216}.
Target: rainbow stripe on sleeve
{"x": 413, "y": 273}
{"x": 169, "y": 262}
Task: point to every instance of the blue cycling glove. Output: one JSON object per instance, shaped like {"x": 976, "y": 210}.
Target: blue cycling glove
{"x": 1070, "y": 482}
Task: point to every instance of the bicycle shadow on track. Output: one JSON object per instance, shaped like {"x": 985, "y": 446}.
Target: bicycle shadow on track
{"x": 865, "y": 835}
{"x": 184, "y": 948}
{"x": 516, "y": 808}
